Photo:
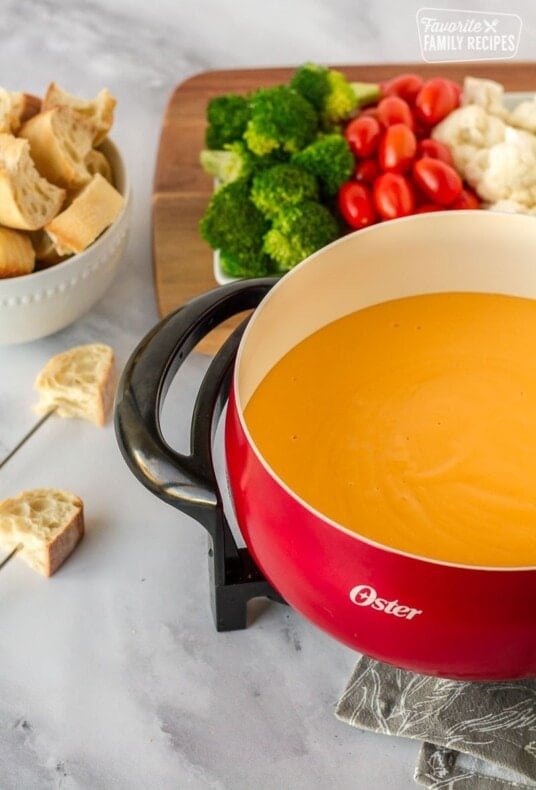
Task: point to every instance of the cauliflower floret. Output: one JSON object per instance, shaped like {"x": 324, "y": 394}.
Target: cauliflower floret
{"x": 487, "y": 94}
{"x": 470, "y": 125}
{"x": 509, "y": 207}
{"x": 475, "y": 170}
{"x": 497, "y": 159}
{"x": 524, "y": 115}
{"x": 506, "y": 170}
{"x": 467, "y": 131}
{"x": 462, "y": 155}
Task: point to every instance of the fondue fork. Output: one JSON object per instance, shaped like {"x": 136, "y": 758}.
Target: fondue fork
{"x": 27, "y": 435}
{"x": 11, "y": 554}
{"x": 4, "y": 461}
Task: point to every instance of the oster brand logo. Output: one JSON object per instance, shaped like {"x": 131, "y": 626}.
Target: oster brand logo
{"x": 365, "y": 595}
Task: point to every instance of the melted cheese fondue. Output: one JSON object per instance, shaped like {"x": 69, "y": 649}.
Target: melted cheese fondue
{"x": 413, "y": 423}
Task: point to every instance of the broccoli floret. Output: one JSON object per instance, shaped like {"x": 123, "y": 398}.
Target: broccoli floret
{"x": 234, "y": 162}
{"x": 330, "y": 93}
{"x": 227, "y": 118}
{"x": 258, "y": 267}
{"x": 329, "y": 159}
{"x": 297, "y": 232}
{"x": 230, "y": 265}
{"x": 282, "y": 185}
{"x": 235, "y": 226}
{"x": 341, "y": 100}
{"x": 328, "y": 90}
{"x": 280, "y": 119}
{"x": 237, "y": 161}
{"x": 311, "y": 81}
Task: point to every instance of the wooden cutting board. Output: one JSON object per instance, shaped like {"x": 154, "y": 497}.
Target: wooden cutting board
{"x": 182, "y": 261}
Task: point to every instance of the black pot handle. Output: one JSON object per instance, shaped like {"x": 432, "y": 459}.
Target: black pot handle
{"x": 185, "y": 481}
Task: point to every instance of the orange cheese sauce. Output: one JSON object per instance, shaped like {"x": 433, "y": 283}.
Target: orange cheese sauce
{"x": 413, "y": 423}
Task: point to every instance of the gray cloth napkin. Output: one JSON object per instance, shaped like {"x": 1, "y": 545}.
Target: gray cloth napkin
{"x": 476, "y": 736}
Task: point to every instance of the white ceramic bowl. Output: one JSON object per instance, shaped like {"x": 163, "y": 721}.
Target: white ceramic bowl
{"x": 37, "y": 304}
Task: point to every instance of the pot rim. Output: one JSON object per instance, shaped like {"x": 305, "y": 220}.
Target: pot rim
{"x": 273, "y": 474}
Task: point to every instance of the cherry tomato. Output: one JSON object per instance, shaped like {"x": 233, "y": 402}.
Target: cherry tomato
{"x": 420, "y": 197}
{"x": 393, "y": 196}
{"x": 466, "y": 200}
{"x": 366, "y": 171}
{"x": 426, "y": 208}
{"x": 405, "y": 86}
{"x": 397, "y": 149}
{"x": 355, "y": 205}
{"x": 367, "y": 112}
{"x": 434, "y": 149}
{"x": 438, "y": 180}
{"x": 420, "y": 129}
{"x": 456, "y": 87}
{"x": 393, "y": 110}
{"x": 436, "y": 99}
{"x": 363, "y": 135}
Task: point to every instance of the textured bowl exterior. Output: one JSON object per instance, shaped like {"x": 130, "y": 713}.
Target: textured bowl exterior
{"x": 38, "y": 304}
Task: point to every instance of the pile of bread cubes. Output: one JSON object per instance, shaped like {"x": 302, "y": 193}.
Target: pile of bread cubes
{"x": 56, "y": 184}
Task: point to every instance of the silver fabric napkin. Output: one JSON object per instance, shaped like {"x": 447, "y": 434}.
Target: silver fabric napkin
{"x": 475, "y": 736}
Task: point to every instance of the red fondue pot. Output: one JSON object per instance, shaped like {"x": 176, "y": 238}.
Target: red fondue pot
{"x": 433, "y": 617}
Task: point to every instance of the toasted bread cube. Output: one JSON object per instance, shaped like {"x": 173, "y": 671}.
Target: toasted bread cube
{"x": 47, "y": 522}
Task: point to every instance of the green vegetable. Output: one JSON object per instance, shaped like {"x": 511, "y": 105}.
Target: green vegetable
{"x": 280, "y": 119}
{"x": 330, "y": 93}
{"x": 258, "y": 267}
{"x": 282, "y": 185}
{"x": 227, "y": 118}
{"x": 234, "y": 162}
{"x": 297, "y": 232}
{"x": 341, "y": 100}
{"x": 311, "y": 81}
{"x": 237, "y": 161}
{"x": 366, "y": 92}
{"x": 234, "y": 225}
{"x": 329, "y": 159}
{"x": 279, "y": 156}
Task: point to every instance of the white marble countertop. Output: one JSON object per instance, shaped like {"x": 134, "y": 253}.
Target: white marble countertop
{"x": 111, "y": 672}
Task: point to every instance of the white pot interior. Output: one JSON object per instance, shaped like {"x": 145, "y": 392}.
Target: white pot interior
{"x": 469, "y": 251}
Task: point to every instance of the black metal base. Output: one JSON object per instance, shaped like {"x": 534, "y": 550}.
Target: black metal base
{"x": 234, "y": 580}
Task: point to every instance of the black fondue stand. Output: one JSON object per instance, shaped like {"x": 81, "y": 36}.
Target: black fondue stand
{"x": 188, "y": 482}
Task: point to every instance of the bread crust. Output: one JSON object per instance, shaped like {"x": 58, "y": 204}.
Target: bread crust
{"x": 90, "y": 213}
{"x": 17, "y": 255}
{"x": 65, "y": 542}
{"x": 15, "y": 109}
{"x": 30, "y": 106}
